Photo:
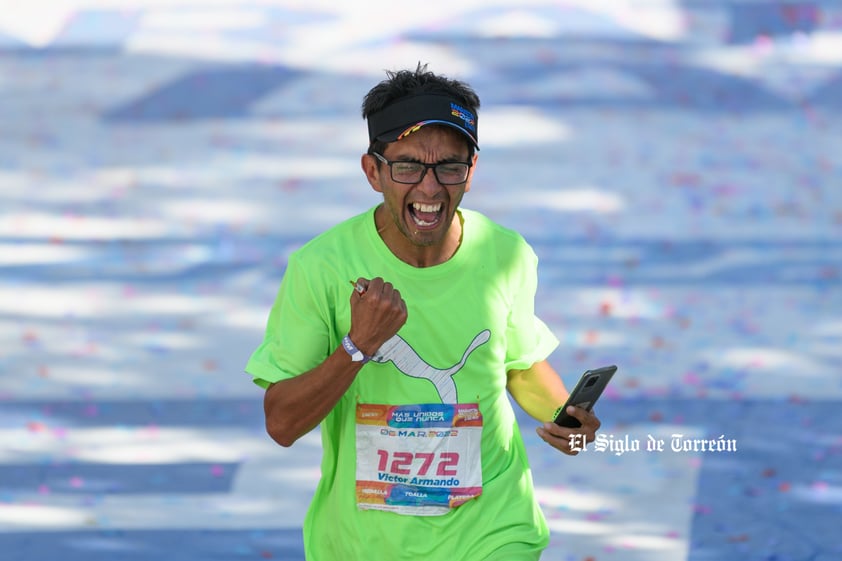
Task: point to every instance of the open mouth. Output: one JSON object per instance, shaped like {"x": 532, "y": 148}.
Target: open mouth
{"x": 426, "y": 216}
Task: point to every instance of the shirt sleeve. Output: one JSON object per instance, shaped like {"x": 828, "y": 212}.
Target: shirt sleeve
{"x": 528, "y": 338}
{"x": 297, "y": 332}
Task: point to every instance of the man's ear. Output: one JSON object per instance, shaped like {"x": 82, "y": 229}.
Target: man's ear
{"x": 372, "y": 171}
{"x": 471, "y": 172}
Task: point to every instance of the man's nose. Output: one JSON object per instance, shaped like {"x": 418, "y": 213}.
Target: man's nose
{"x": 429, "y": 183}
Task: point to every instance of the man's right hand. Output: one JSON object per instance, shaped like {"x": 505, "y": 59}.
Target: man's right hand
{"x": 376, "y": 314}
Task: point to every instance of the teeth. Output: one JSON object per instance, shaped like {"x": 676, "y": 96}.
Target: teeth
{"x": 426, "y": 208}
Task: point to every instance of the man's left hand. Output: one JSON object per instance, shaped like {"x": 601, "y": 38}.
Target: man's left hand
{"x": 568, "y": 440}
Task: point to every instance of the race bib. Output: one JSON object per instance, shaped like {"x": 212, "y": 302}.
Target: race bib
{"x": 418, "y": 459}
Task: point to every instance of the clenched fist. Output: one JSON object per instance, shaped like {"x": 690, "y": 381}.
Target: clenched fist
{"x": 377, "y": 313}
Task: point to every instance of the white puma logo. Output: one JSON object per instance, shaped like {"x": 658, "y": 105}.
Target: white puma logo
{"x": 405, "y": 359}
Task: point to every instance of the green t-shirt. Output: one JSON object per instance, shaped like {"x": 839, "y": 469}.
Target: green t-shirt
{"x": 478, "y": 307}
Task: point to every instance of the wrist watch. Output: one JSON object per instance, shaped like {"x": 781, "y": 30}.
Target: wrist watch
{"x": 352, "y": 350}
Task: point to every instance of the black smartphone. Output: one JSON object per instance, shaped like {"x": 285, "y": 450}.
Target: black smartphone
{"x": 585, "y": 394}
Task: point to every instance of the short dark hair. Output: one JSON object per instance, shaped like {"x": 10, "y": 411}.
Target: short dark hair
{"x": 403, "y": 83}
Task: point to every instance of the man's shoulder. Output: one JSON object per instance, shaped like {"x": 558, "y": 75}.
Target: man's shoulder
{"x": 489, "y": 228}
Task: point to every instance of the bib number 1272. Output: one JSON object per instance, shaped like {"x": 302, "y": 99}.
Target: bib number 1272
{"x": 402, "y": 462}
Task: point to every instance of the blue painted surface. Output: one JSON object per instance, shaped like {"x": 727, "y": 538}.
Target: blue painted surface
{"x": 224, "y": 92}
{"x": 771, "y": 498}
{"x": 158, "y": 544}
{"x": 89, "y": 478}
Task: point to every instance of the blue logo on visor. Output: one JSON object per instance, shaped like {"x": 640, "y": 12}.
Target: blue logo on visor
{"x": 464, "y": 115}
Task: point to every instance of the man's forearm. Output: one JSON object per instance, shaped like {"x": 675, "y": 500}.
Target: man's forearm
{"x": 295, "y": 406}
{"x": 538, "y": 390}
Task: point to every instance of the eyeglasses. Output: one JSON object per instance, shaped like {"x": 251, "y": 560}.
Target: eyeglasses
{"x": 447, "y": 173}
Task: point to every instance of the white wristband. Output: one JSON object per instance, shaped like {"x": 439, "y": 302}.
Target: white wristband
{"x": 356, "y": 354}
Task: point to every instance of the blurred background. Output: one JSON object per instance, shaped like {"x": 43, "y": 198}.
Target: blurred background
{"x": 676, "y": 164}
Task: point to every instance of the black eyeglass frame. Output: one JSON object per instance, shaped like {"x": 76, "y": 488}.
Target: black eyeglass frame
{"x": 427, "y": 167}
